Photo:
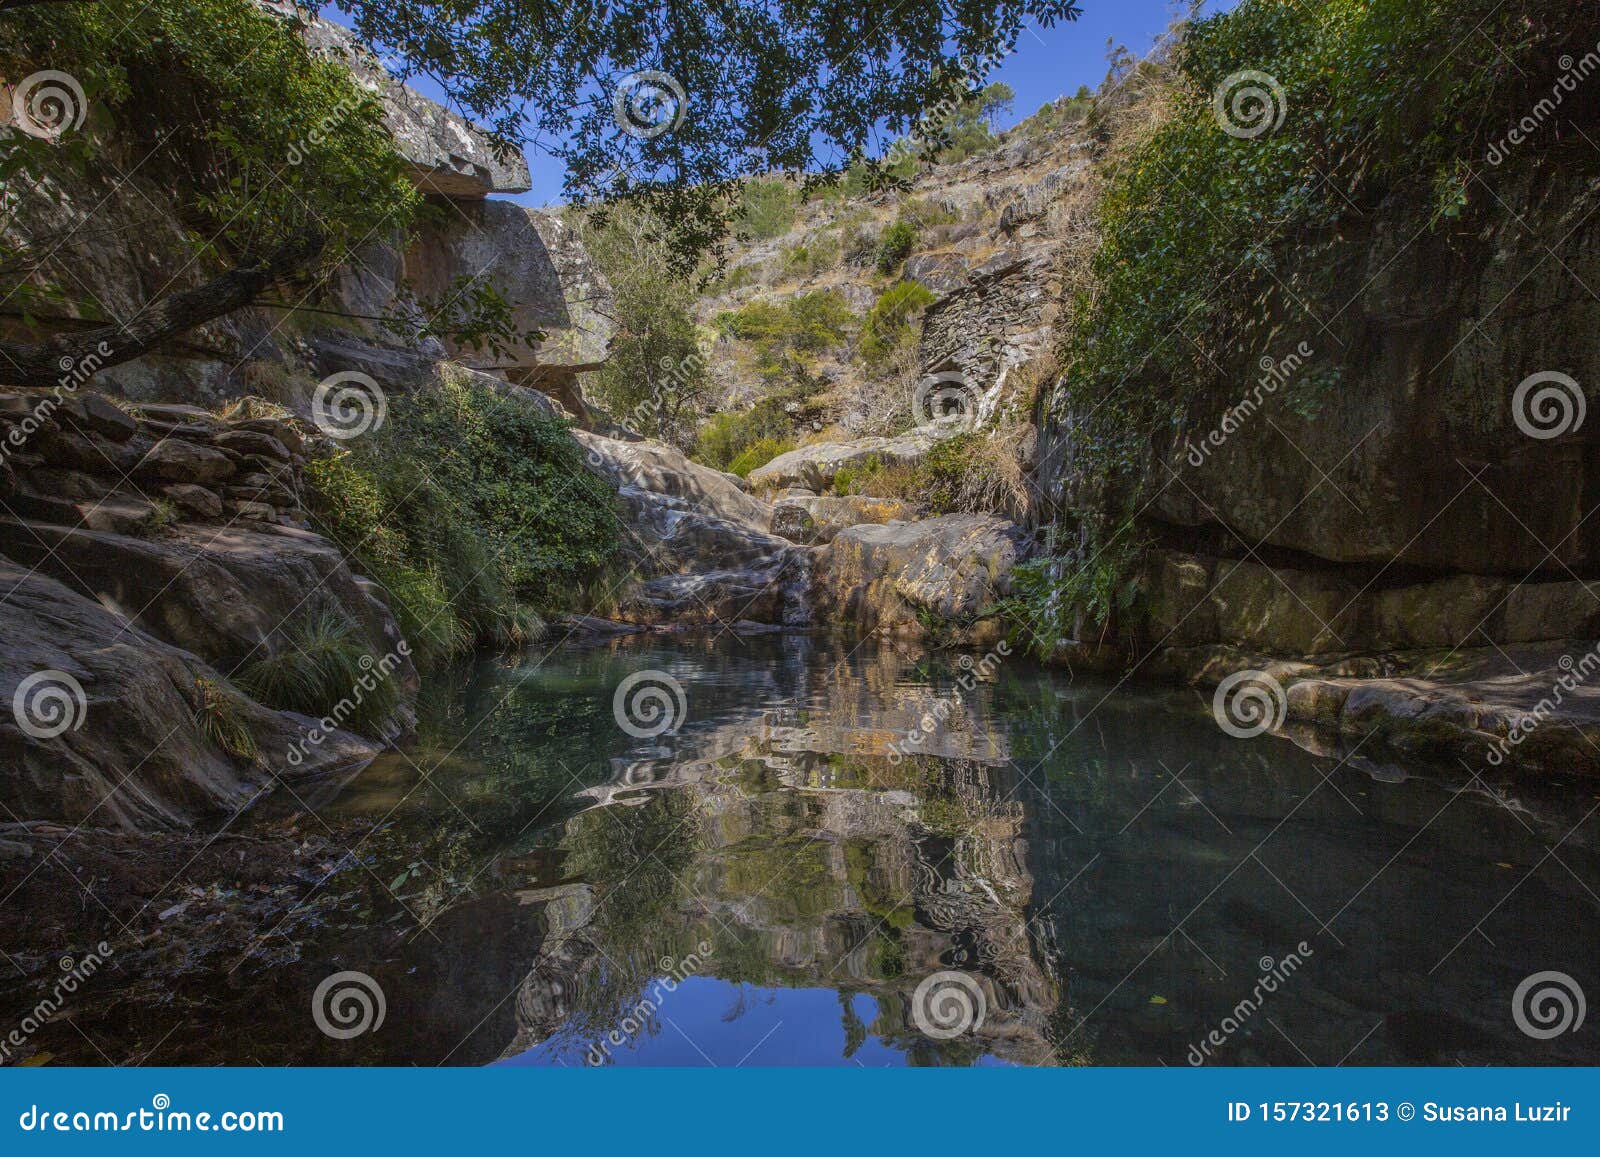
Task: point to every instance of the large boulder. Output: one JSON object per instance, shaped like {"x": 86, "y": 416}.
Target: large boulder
{"x": 818, "y": 520}
{"x": 226, "y": 594}
{"x": 815, "y": 467}
{"x": 536, "y": 261}
{"x": 104, "y": 725}
{"x": 903, "y": 577}
{"x": 698, "y": 544}
{"x": 448, "y": 155}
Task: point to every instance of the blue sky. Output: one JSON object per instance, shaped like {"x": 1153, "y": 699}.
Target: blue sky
{"x": 1048, "y": 63}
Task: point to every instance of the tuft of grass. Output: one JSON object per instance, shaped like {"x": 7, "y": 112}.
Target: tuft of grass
{"x": 322, "y": 669}
{"x": 758, "y": 454}
{"x": 220, "y": 719}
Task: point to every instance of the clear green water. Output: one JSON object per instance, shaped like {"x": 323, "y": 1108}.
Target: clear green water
{"x": 769, "y": 884}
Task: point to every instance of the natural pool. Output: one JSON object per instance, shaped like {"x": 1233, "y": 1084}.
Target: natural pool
{"x": 1109, "y": 877}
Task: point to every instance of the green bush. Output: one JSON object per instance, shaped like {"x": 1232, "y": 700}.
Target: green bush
{"x": 322, "y": 668}
{"x": 1382, "y": 101}
{"x": 784, "y": 335}
{"x": 758, "y": 454}
{"x": 473, "y": 510}
{"x": 895, "y": 246}
{"x": 888, "y": 326}
{"x": 728, "y": 441}
{"x": 767, "y": 208}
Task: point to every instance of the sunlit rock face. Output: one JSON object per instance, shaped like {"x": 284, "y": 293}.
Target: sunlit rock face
{"x": 448, "y": 155}
{"x": 698, "y": 543}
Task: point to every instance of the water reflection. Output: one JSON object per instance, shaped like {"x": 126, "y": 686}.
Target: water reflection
{"x": 772, "y": 883}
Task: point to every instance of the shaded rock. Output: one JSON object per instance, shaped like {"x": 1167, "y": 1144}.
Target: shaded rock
{"x": 179, "y": 460}
{"x": 242, "y": 441}
{"x": 98, "y": 415}
{"x": 137, "y": 757}
{"x": 194, "y": 500}
{"x": 535, "y": 260}
{"x": 226, "y": 594}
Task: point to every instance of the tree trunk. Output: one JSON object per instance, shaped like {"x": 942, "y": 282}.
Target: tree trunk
{"x": 76, "y": 355}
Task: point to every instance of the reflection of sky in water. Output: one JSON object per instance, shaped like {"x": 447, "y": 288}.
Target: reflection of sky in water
{"x": 711, "y": 1022}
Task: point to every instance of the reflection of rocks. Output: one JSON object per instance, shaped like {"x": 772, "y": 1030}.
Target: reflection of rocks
{"x": 812, "y": 860}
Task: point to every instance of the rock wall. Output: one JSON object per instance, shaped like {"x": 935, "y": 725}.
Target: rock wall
{"x": 1381, "y": 493}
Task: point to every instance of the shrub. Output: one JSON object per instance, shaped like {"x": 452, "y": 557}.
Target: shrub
{"x": 321, "y": 668}
{"x": 785, "y": 334}
{"x": 727, "y": 438}
{"x": 767, "y": 208}
{"x": 471, "y": 509}
{"x": 1384, "y": 101}
{"x": 888, "y": 325}
{"x": 895, "y": 246}
{"x": 758, "y": 454}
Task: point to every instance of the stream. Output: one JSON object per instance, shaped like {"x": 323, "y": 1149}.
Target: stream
{"x": 861, "y": 855}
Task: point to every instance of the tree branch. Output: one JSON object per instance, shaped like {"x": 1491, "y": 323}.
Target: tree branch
{"x": 46, "y": 363}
